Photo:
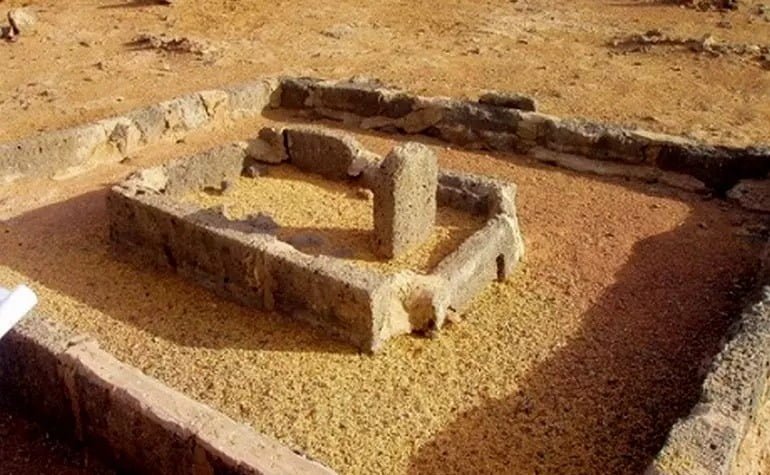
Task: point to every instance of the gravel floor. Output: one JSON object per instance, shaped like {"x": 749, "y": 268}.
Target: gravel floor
{"x": 579, "y": 364}
{"x": 320, "y": 216}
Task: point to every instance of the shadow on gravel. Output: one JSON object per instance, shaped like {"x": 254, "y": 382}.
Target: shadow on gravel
{"x": 604, "y": 402}
{"x": 601, "y": 403}
{"x": 70, "y": 254}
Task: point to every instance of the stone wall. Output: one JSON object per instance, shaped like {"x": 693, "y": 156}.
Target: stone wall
{"x": 491, "y": 126}
{"x": 68, "y": 152}
{"x": 726, "y": 432}
{"x": 81, "y": 391}
{"x": 152, "y": 226}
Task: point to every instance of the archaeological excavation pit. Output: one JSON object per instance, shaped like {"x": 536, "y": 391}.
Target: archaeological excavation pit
{"x": 584, "y": 357}
{"x": 160, "y": 216}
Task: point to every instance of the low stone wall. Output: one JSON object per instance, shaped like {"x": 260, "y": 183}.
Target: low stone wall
{"x": 151, "y": 225}
{"x": 69, "y": 383}
{"x": 488, "y": 125}
{"x": 726, "y": 432}
{"x": 68, "y": 152}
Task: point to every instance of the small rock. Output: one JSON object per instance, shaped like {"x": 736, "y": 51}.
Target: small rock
{"x": 724, "y": 24}
{"x": 225, "y": 188}
{"x": 510, "y": 100}
{"x": 255, "y": 170}
{"x": 338, "y": 31}
{"x": 764, "y": 11}
{"x": 22, "y": 20}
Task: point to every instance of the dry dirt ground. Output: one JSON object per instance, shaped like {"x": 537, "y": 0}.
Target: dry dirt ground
{"x": 579, "y": 364}
{"x": 83, "y": 62}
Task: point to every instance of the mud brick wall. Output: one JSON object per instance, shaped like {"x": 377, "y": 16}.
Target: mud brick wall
{"x": 81, "y": 391}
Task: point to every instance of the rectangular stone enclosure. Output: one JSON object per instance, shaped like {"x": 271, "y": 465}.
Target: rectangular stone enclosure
{"x": 152, "y": 225}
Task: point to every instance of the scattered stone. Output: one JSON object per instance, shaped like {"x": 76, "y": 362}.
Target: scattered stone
{"x": 642, "y": 43}
{"x": 172, "y": 45}
{"x": 405, "y": 199}
{"x": 510, "y": 100}
{"x": 255, "y": 170}
{"x": 22, "y": 20}
{"x": 338, "y": 31}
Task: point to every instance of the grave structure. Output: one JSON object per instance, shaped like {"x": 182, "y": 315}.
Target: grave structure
{"x": 150, "y": 222}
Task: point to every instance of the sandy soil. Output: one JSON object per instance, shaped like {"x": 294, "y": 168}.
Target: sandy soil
{"x": 82, "y": 63}
{"x": 27, "y": 449}
{"x": 320, "y": 216}
{"x": 579, "y": 364}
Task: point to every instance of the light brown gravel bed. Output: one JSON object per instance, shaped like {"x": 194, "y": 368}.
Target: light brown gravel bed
{"x": 579, "y": 364}
{"x": 336, "y": 217}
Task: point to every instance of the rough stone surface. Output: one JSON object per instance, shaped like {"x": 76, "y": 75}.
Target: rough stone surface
{"x": 29, "y": 370}
{"x": 68, "y": 382}
{"x": 330, "y": 154}
{"x": 510, "y": 100}
{"x": 752, "y": 194}
{"x": 65, "y": 153}
{"x": 491, "y": 124}
{"x": 22, "y": 21}
{"x": 490, "y": 254}
{"x": 250, "y": 99}
{"x": 710, "y": 438}
{"x": 244, "y": 261}
{"x": 405, "y": 199}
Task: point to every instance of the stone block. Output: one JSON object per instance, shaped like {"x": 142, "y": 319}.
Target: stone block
{"x": 249, "y": 100}
{"x": 330, "y": 154}
{"x": 405, "y": 199}
{"x": 269, "y": 147}
{"x": 490, "y": 254}
{"x": 183, "y": 114}
{"x": 510, "y": 100}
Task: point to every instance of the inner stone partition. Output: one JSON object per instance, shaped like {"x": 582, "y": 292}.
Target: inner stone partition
{"x": 404, "y": 199}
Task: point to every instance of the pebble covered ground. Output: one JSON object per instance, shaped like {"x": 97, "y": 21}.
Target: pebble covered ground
{"x": 320, "y": 216}
{"x": 89, "y": 59}
{"x": 578, "y": 364}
